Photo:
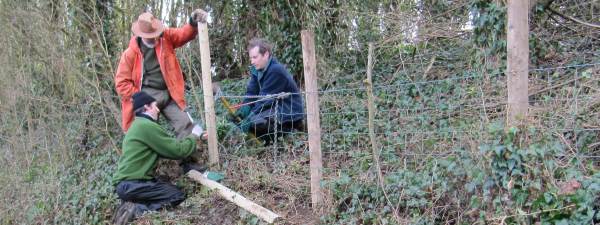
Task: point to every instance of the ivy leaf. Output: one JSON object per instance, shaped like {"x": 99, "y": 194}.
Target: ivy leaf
{"x": 499, "y": 150}
{"x": 548, "y": 197}
{"x": 587, "y": 73}
{"x": 511, "y": 164}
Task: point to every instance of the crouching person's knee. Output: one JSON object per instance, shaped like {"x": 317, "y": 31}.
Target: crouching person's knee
{"x": 177, "y": 198}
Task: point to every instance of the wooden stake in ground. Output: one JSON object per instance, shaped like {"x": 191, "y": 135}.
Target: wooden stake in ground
{"x": 518, "y": 60}
{"x": 374, "y": 143}
{"x": 209, "y": 102}
{"x": 232, "y": 196}
{"x": 371, "y": 106}
{"x": 312, "y": 117}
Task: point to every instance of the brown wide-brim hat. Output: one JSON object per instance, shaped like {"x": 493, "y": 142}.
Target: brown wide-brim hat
{"x": 147, "y": 26}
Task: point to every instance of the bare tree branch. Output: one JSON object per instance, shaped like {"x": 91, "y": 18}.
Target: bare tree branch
{"x": 573, "y": 19}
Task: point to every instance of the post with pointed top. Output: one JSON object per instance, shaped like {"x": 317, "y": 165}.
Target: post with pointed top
{"x": 312, "y": 117}
{"x": 517, "y": 70}
{"x": 209, "y": 102}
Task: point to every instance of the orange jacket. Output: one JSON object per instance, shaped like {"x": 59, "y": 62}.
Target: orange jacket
{"x": 128, "y": 79}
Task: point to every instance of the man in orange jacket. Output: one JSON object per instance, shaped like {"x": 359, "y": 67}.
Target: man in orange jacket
{"x": 149, "y": 64}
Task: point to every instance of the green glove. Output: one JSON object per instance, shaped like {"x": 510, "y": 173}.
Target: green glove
{"x": 233, "y": 118}
{"x": 246, "y": 123}
{"x": 214, "y": 176}
{"x": 243, "y": 112}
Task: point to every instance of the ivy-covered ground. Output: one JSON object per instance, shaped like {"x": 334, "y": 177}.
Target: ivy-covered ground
{"x": 447, "y": 155}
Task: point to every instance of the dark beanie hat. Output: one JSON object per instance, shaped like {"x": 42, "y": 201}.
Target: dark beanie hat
{"x": 140, "y": 99}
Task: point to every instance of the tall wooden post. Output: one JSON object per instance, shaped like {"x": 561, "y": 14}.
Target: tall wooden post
{"x": 518, "y": 60}
{"x": 371, "y": 107}
{"x": 374, "y": 143}
{"x": 312, "y": 117}
{"x": 209, "y": 102}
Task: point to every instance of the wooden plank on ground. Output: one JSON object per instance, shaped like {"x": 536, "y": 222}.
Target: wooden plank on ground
{"x": 232, "y": 196}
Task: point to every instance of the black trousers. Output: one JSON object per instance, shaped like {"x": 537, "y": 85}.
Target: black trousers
{"x": 149, "y": 195}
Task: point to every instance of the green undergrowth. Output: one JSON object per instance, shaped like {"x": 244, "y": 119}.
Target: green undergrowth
{"x": 489, "y": 175}
{"x": 87, "y": 195}
{"x": 469, "y": 168}
{"x": 447, "y": 156}
{"x": 516, "y": 178}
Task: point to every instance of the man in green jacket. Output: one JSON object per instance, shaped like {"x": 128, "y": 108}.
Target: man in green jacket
{"x": 143, "y": 144}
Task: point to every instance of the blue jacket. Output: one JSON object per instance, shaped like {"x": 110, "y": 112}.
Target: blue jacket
{"x": 275, "y": 79}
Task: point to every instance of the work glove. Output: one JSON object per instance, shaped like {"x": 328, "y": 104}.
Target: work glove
{"x": 198, "y": 15}
{"x": 197, "y": 131}
{"x": 232, "y": 117}
{"x": 246, "y": 123}
{"x": 243, "y": 112}
{"x": 214, "y": 176}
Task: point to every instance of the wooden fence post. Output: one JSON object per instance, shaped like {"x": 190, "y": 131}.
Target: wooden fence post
{"x": 371, "y": 107}
{"x": 312, "y": 117}
{"x": 209, "y": 101}
{"x": 374, "y": 143}
{"x": 518, "y": 61}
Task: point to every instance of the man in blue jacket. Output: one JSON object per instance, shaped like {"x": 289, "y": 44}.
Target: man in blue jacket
{"x": 273, "y": 103}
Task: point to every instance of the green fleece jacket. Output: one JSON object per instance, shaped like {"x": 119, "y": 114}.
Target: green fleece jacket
{"x": 144, "y": 142}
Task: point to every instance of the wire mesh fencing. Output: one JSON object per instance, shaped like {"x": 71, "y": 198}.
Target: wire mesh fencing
{"x": 414, "y": 120}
